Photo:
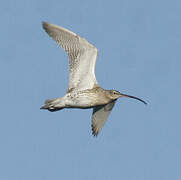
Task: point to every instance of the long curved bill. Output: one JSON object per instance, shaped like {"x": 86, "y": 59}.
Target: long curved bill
{"x": 133, "y": 97}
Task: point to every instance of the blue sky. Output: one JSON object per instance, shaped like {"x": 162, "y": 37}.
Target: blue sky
{"x": 139, "y": 46}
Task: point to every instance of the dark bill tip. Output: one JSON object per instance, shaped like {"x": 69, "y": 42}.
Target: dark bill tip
{"x": 133, "y": 97}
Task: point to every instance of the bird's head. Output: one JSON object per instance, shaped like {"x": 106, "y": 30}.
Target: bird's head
{"x": 113, "y": 94}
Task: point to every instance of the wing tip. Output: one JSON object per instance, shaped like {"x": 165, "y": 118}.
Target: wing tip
{"x": 45, "y": 25}
{"x": 95, "y": 132}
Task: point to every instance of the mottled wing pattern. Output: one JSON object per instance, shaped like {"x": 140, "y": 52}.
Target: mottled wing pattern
{"x": 99, "y": 117}
{"x": 82, "y": 57}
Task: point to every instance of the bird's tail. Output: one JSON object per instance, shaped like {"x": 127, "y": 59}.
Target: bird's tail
{"x": 52, "y": 105}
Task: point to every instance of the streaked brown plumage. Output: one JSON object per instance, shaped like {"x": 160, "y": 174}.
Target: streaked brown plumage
{"x": 83, "y": 90}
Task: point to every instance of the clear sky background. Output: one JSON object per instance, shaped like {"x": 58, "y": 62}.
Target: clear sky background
{"x": 139, "y": 43}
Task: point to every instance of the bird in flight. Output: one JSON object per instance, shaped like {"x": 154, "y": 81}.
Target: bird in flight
{"x": 83, "y": 90}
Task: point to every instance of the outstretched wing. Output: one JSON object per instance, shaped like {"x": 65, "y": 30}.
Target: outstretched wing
{"x": 82, "y": 57}
{"x": 99, "y": 117}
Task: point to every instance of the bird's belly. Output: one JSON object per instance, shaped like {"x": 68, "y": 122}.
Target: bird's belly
{"x": 82, "y": 101}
